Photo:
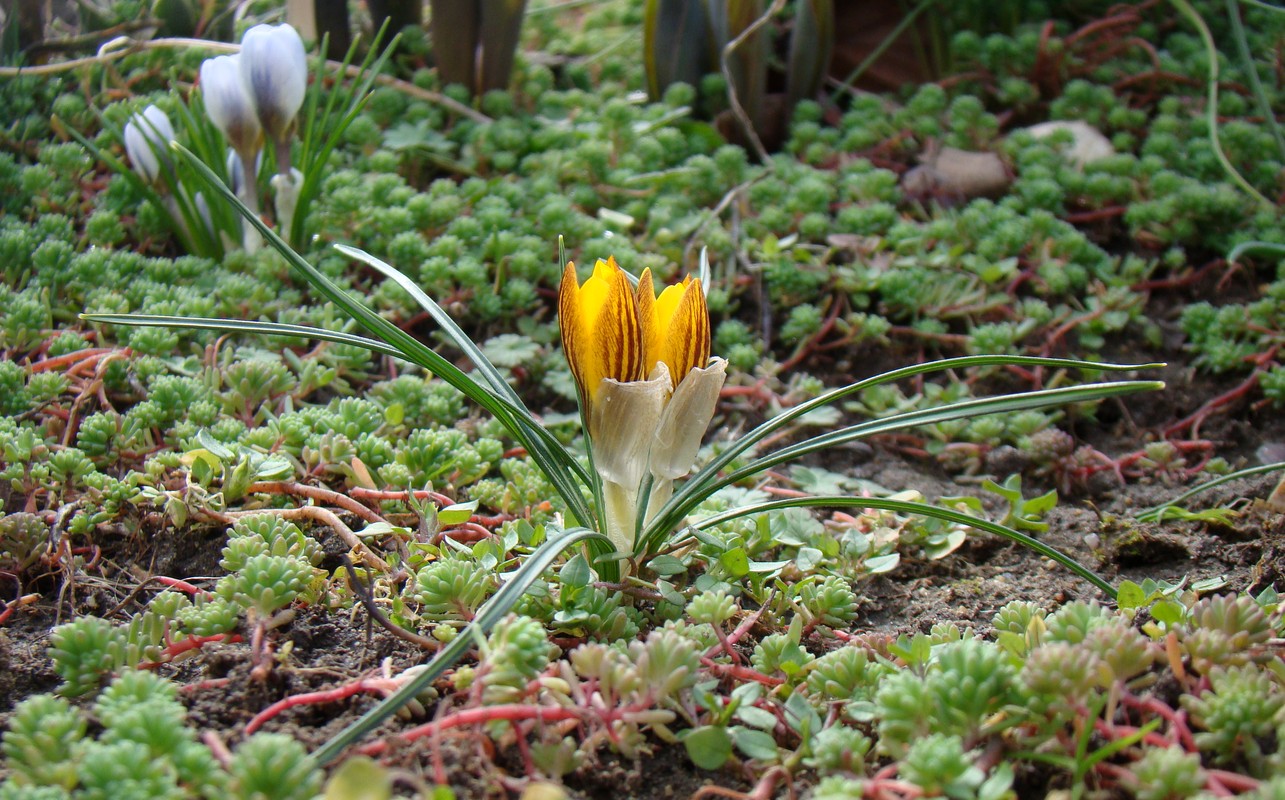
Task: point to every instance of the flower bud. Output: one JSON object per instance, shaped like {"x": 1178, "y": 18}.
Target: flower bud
{"x": 228, "y": 105}
{"x": 274, "y": 71}
{"x": 147, "y": 138}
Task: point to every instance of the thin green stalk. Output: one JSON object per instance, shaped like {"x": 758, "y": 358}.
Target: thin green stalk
{"x": 551, "y": 448}
{"x": 1211, "y": 102}
{"x": 1270, "y": 248}
{"x": 694, "y": 493}
{"x": 1255, "y": 83}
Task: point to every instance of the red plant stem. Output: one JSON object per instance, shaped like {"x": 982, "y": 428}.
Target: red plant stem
{"x": 740, "y": 673}
{"x": 1096, "y": 215}
{"x": 1116, "y": 732}
{"x": 190, "y": 643}
{"x": 1194, "y": 420}
{"x": 744, "y": 627}
{"x": 317, "y": 493}
{"x": 1177, "y": 719}
{"x": 384, "y": 686}
{"x": 72, "y": 358}
{"x": 781, "y": 491}
{"x": 466, "y": 532}
{"x": 361, "y": 493}
{"x": 512, "y": 712}
{"x": 180, "y": 585}
{"x": 212, "y": 683}
{"x": 1232, "y": 780}
{"x": 1186, "y": 279}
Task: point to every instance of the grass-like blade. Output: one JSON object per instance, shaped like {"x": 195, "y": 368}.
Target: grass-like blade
{"x": 1002, "y": 404}
{"x": 324, "y": 133}
{"x": 920, "y": 509}
{"x": 411, "y": 348}
{"x": 693, "y": 486}
{"x": 458, "y": 337}
{"x": 1156, "y": 513}
{"x": 692, "y": 494}
{"x": 552, "y": 448}
{"x": 246, "y": 326}
{"x": 515, "y": 585}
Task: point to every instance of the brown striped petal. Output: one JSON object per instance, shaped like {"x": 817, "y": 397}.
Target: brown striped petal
{"x": 601, "y": 334}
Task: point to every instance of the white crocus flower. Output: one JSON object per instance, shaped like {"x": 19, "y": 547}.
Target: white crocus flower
{"x": 229, "y": 107}
{"x": 147, "y": 138}
{"x": 274, "y": 71}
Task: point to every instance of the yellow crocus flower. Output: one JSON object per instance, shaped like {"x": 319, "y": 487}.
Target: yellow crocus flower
{"x": 646, "y": 382}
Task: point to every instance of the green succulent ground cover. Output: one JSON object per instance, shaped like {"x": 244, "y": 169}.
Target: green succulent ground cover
{"x": 748, "y": 656}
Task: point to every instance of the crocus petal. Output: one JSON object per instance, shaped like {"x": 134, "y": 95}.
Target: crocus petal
{"x": 601, "y": 335}
{"x": 683, "y": 423}
{"x": 624, "y": 424}
{"x": 675, "y": 325}
{"x": 228, "y": 105}
{"x": 147, "y": 138}
{"x": 622, "y": 429}
{"x": 274, "y": 70}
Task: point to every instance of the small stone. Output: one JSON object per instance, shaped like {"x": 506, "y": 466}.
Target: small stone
{"x": 1087, "y": 142}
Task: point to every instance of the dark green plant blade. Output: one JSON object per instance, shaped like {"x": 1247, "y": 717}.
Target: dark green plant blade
{"x": 322, "y": 134}
{"x": 454, "y": 26}
{"x": 692, "y": 494}
{"x": 551, "y": 447}
{"x": 515, "y": 585}
{"x": 1001, "y": 404}
{"x": 921, "y": 509}
{"x": 454, "y": 332}
{"x": 811, "y": 45}
{"x": 500, "y": 29}
{"x": 676, "y": 44}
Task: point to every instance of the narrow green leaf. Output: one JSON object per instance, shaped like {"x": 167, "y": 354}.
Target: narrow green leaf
{"x": 921, "y": 509}
{"x": 1156, "y": 513}
{"x": 412, "y": 349}
{"x": 696, "y": 488}
{"x": 706, "y": 481}
{"x": 550, "y": 448}
{"x": 246, "y": 326}
{"x": 514, "y": 586}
